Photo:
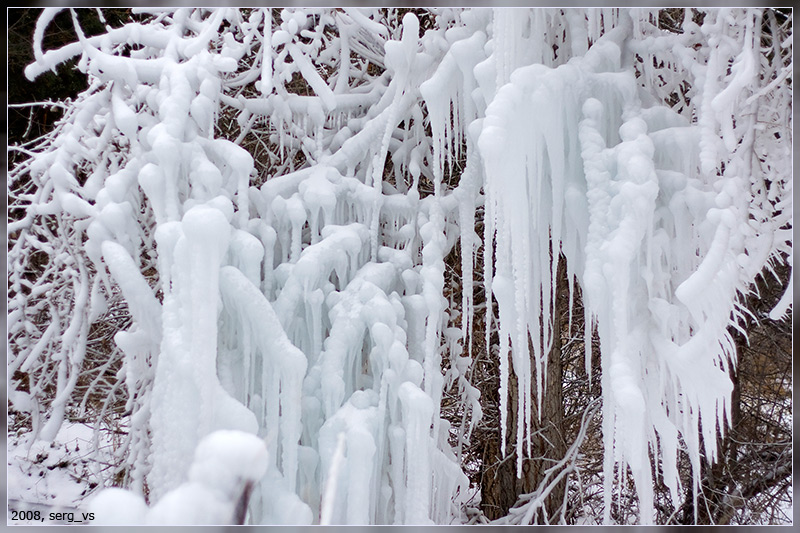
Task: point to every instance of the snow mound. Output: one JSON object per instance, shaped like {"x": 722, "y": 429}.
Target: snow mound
{"x": 227, "y": 464}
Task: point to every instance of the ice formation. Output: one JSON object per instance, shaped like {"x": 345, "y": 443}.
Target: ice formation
{"x": 307, "y": 306}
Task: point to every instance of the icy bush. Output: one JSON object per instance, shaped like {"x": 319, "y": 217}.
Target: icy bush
{"x": 274, "y": 193}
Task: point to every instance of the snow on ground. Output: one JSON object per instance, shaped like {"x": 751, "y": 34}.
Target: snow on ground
{"x": 54, "y": 477}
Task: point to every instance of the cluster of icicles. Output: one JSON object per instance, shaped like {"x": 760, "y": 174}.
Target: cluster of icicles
{"x": 310, "y": 310}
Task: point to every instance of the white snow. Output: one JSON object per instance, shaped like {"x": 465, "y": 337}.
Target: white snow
{"x": 224, "y": 462}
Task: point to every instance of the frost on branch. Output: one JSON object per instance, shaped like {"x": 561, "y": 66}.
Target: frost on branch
{"x": 272, "y": 199}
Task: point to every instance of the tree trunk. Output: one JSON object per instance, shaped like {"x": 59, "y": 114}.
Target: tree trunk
{"x": 500, "y": 487}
